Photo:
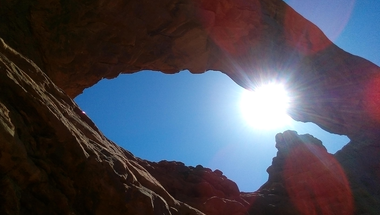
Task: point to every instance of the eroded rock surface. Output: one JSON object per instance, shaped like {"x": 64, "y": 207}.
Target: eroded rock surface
{"x": 311, "y": 178}
{"x": 53, "y": 160}
{"x": 207, "y": 190}
{"x": 80, "y": 42}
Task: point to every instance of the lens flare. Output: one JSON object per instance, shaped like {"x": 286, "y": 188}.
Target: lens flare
{"x": 372, "y": 98}
{"x": 266, "y": 106}
{"x": 316, "y": 183}
{"x": 231, "y": 24}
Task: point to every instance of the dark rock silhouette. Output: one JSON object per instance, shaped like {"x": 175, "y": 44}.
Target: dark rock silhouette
{"x": 53, "y": 160}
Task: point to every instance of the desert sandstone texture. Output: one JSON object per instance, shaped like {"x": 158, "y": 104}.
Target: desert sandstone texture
{"x": 53, "y": 159}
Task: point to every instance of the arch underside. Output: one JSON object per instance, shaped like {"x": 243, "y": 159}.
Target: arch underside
{"x": 81, "y": 43}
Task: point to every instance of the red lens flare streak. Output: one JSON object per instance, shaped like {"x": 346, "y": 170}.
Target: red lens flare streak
{"x": 372, "y": 98}
{"x": 316, "y": 182}
{"x": 231, "y": 24}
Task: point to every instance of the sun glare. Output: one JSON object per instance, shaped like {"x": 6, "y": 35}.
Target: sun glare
{"x": 266, "y": 106}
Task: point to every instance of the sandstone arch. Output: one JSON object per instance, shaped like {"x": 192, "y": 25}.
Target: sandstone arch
{"x": 78, "y": 43}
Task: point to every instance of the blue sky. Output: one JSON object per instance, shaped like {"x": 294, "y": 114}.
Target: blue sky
{"x": 196, "y": 119}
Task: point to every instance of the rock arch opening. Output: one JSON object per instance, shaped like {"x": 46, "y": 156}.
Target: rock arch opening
{"x": 53, "y": 153}
{"x": 194, "y": 119}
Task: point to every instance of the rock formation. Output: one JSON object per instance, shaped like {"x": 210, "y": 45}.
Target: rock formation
{"x": 53, "y": 160}
{"x": 247, "y": 40}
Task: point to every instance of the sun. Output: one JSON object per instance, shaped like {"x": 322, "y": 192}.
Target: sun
{"x": 266, "y": 106}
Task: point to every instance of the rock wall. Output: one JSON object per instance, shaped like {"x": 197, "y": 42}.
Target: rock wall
{"x": 54, "y": 160}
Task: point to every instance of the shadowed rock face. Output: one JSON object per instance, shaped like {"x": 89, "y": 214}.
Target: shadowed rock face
{"x": 53, "y": 160}
{"x": 80, "y": 42}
